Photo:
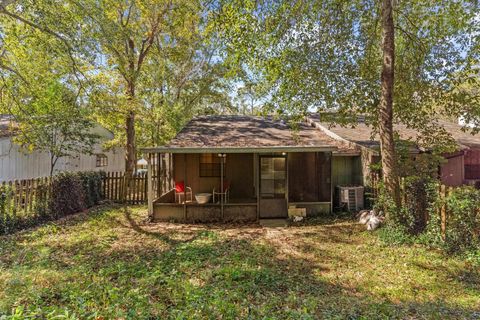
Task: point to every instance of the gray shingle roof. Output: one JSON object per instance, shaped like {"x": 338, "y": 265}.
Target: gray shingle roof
{"x": 361, "y": 134}
{"x": 236, "y": 131}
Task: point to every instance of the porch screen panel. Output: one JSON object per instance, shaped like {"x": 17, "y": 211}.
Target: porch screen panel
{"x": 309, "y": 177}
{"x": 324, "y": 174}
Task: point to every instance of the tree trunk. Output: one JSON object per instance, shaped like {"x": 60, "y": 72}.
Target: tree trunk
{"x": 130, "y": 152}
{"x": 52, "y": 165}
{"x": 387, "y": 143}
{"x": 130, "y": 148}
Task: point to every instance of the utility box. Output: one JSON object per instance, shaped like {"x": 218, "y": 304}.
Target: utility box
{"x": 351, "y": 198}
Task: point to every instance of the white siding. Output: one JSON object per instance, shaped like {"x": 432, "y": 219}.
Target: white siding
{"x": 16, "y": 164}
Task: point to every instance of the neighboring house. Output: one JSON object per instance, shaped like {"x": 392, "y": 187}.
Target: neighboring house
{"x": 16, "y": 163}
{"x": 460, "y": 167}
{"x": 267, "y": 170}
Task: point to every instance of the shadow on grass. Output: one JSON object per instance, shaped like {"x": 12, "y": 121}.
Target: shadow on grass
{"x": 206, "y": 275}
{"x": 163, "y": 236}
{"x": 468, "y": 275}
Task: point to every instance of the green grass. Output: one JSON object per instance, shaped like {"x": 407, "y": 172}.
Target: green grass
{"x": 109, "y": 263}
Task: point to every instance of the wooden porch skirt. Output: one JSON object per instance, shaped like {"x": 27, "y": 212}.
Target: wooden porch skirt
{"x": 205, "y": 212}
{"x": 232, "y": 212}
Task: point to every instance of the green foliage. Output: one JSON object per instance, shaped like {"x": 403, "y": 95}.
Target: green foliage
{"x": 419, "y": 219}
{"x": 67, "y": 193}
{"x": 109, "y": 264}
{"x": 152, "y": 58}
{"x": 51, "y": 121}
{"x": 395, "y": 235}
{"x": 462, "y": 233}
{"x": 384, "y": 202}
{"x": 326, "y": 55}
{"x": 463, "y": 219}
{"x": 473, "y": 256}
{"x": 7, "y": 212}
{"x": 92, "y": 187}
{"x": 419, "y": 196}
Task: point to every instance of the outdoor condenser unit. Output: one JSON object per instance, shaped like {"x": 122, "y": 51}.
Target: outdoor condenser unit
{"x": 350, "y": 198}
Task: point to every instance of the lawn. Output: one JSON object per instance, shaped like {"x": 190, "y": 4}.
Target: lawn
{"x": 110, "y": 263}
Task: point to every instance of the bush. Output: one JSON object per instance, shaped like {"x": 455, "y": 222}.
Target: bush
{"x": 393, "y": 234}
{"x": 419, "y": 195}
{"x": 463, "y": 219}
{"x": 75, "y": 192}
{"x": 92, "y": 187}
{"x": 7, "y": 213}
{"x": 67, "y": 195}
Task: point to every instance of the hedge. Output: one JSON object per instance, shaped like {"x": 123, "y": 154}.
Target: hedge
{"x": 66, "y": 193}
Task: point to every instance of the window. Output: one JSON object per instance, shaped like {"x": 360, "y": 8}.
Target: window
{"x": 210, "y": 165}
{"x": 101, "y": 160}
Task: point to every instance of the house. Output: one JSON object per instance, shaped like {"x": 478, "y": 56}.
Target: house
{"x": 16, "y": 163}
{"x": 263, "y": 166}
{"x": 460, "y": 167}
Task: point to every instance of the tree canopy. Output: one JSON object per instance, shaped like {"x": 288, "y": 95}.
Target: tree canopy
{"x": 143, "y": 68}
{"x": 325, "y": 55}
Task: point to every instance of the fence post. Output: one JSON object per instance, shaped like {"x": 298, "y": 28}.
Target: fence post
{"x": 443, "y": 213}
{"x": 149, "y": 187}
{"x": 402, "y": 191}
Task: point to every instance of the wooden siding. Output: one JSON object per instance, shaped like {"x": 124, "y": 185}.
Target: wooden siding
{"x": 452, "y": 172}
{"x": 16, "y": 164}
{"x": 346, "y": 170}
{"x": 472, "y": 164}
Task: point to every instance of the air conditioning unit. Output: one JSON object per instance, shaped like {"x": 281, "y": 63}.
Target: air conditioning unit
{"x": 350, "y": 198}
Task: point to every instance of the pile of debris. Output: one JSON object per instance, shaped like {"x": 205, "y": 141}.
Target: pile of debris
{"x": 371, "y": 218}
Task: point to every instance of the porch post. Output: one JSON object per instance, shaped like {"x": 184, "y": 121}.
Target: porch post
{"x": 149, "y": 187}
{"x": 222, "y": 194}
{"x": 185, "y": 187}
{"x": 256, "y": 159}
{"x": 286, "y": 180}
{"x": 332, "y": 188}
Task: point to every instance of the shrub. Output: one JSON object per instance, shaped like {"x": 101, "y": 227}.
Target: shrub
{"x": 67, "y": 195}
{"x": 395, "y": 234}
{"x": 463, "y": 219}
{"x": 7, "y": 213}
{"x": 41, "y": 205}
{"x": 92, "y": 187}
{"x": 419, "y": 194}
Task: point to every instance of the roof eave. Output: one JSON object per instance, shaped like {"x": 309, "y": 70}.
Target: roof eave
{"x": 265, "y": 149}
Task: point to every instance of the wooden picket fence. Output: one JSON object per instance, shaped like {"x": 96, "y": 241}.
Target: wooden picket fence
{"x": 22, "y": 196}
{"x": 114, "y": 188}
{"x": 162, "y": 181}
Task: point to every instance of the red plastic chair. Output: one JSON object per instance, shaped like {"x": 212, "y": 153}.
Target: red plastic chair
{"x": 181, "y": 190}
